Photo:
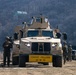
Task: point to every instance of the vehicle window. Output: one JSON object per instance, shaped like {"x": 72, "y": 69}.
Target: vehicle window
{"x": 47, "y": 33}
{"x": 32, "y": 33}
{"x": 38, "y": 20}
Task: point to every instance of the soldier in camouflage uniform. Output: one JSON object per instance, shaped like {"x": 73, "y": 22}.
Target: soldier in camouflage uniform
{"x": 6, "y": 55}
{"x": 65, "y": 52}
{"x": 70, "y": 53}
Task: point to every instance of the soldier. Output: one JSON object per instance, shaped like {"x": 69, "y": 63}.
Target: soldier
{"x": 58, "y": 34}
{"x": 65, "y": 51}
{"x": 70, "y": 53}
{"x": 21, "y": 33}
{"x": 16, "y": 36}
{"x": 64, "y": 36}
{"x": 6, "y": 55}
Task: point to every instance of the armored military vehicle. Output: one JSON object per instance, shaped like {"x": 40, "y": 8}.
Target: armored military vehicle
{"x": 37, "y": 42}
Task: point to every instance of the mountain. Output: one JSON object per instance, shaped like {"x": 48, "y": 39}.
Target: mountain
{"x": 61, "y": 13}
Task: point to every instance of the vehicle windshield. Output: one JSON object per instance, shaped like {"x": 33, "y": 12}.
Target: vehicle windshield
{"x": 47, "y": 33}
{"x": 38, "y": 20}
{"x": 32, "y": 33}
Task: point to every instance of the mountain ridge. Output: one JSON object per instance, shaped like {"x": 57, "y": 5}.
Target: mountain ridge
{"x": 59, "y": 12}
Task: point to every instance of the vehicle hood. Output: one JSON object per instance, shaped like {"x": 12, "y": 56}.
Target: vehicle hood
{"x": 40, "y": 39}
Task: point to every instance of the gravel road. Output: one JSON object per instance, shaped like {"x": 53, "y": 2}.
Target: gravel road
{"x": 38, "y": 69}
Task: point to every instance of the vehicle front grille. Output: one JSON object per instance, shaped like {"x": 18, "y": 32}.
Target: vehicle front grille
{"x": 47, "y": 47}
{"x": 34, "y": 47}
{"x": 41, "y": 48}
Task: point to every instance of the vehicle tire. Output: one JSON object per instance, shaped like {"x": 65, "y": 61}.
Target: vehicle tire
{"x": 22, "y": 61}
{"x": 57, "y": 61}
{"x": 15, "y": 60}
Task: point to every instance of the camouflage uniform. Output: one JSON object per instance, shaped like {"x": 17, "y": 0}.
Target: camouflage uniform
{"x": 6, "y": 55}
{"x": 65, "y": 52}
{"x": 70, "y": 53}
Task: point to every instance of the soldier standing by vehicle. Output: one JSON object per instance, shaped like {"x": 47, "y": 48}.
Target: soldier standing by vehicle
{"x": 6, "y": 55}
{"x": 70, "y": 53}
{"x": 65, "y": 52}
{"x": 58, "y": 34}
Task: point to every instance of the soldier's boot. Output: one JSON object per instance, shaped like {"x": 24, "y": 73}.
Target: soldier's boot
{"x": 8, "y": 61}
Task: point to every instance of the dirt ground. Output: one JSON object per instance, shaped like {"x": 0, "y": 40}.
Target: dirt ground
{"x": 38, "y": 69}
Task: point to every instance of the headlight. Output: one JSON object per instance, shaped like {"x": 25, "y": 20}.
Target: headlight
{"x": 53, "y": 45}
{"x": 27, "y": 44}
